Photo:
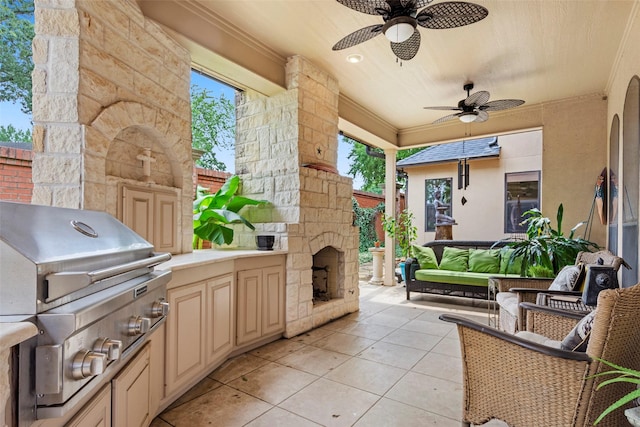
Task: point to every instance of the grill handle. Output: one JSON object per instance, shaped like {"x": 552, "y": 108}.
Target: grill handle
{"x": 63, "y": 283}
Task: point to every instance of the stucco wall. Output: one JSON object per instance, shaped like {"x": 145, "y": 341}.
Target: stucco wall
{"x": 482, "y": 217}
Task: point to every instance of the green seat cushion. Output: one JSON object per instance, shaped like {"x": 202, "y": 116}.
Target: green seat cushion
{"x": 484, "y": 260}
{"x": 425, "y": 256}
{"x": 507, "y": 267}
{"x": 454, "y": 259}
{"x": 456, "y": 277}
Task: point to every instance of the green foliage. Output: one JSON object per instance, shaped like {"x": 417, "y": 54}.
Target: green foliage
{"x": 622, "y": 375}
{"x": 213, "y": 212}
{"x": 402, "y": 230}
{"x": 212, "y": 125}
{"x": 370, "y": 168}
{"x": 545, "y": 246}
{"x": 11, "y": 134}
{"x": 16, "y": 33}
{"x": 539, "y": 271}
{"x": 365, "y": 219}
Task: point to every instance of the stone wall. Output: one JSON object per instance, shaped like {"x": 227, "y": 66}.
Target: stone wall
{"x": 286, "y": 153}
{"x": 108, "y": 84}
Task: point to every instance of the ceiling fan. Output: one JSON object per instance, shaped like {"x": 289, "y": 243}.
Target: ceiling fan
{"x": 401, "y": 17}
{"x": 476, "y": 106}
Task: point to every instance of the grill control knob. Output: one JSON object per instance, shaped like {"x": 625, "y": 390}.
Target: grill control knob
{"x": 138, "y": 325}
{"x": 88, "y": 364}
{"x": 110, "y": 348}
{"x": 159, "y": 308}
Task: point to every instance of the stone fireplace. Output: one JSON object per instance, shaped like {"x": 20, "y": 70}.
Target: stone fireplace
{"x": 286, "y": 153}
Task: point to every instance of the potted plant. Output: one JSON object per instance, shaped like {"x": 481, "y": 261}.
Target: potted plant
{"x": 626, "y": 375}
{"x": 545, "y": 246}
{"x": 402, "y": 230}
{"x": 213, "y": 213}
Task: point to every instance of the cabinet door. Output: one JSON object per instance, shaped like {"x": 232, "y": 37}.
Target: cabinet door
{"x": 249, "y": 317}
{"x": 131, "y": 392}
{"x": 273, "y": 300}
{"x": 137, "y": 212}
{"x": 97, "y": 412}
{"x": 220, "y": 318}
{"x": 185, "y": 345}
{"x": 166, "y": 222}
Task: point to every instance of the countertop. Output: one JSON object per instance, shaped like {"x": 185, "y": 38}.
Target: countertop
{"x": 207, "y": 256}
{"x": 14, "y": 333}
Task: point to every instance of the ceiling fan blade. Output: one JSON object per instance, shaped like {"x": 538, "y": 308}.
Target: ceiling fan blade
{"x": 422, "y": 3}
{"x": 408, "y": 48}
{"x": 359, "y": 36}
{"x": 451, "y": 15}
{"x": 447, "y": 118}
{"x": 501, "y": 104}
{"x": 479, "y": 98}
{"x": 371, "y": 7}
{"x": 482, "y": 116}
{"x": 444, "y": 108}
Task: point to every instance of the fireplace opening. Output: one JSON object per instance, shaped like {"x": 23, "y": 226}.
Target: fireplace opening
{"x": 328, "y": 275}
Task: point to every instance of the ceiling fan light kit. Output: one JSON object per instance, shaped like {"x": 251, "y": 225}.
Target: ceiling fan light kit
{"x": 468, "y": 117}
{"x": 399, "y": 29}
{"x": 401, "y": 19}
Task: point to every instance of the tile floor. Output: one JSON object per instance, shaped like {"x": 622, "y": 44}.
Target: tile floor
{"x": 393, "y": 363}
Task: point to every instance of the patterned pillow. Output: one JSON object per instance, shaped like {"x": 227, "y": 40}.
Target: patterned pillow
{"x": 567, "y": 278}
{"x": 578, "y": 338}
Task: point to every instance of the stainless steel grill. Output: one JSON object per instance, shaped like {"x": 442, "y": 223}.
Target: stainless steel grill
{"x": 88, "y": 283}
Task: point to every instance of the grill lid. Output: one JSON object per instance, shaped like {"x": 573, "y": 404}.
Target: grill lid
{"x": 45, "y": 234}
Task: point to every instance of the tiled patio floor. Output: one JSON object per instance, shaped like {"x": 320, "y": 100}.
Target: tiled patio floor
{"x": 393, "y": 363}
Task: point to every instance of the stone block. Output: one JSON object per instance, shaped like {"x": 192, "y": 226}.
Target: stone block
{"x": 64, "y": 65}
{"x": 140, "y": 36}
{"x": 40, "y": 50}
{"x": 41, "y": 195}
{"x": 95, "y": 196}
{"x": 108, "y": 13}
{"x": 56, "y": 169}
{"x": 103, "y": 64}
{"x": 91, "y": 30}
{"x": 56, "y": 22}
{"x": 55, "y": 108}
{"x": 67, "y": 196}
{"x": 97, "y": 87}
{"x": 39, "y": 80}
{"x": 88, "y": 109}
{"x": 64, "y": 139}
{"x": 37, "y": 137}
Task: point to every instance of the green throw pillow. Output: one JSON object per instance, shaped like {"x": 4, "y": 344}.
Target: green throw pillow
{"x": 454, "y": 259}
{"x": 426, "y": 257}
{"x": 505, "y": 267}
{"x": 484, "y": 260}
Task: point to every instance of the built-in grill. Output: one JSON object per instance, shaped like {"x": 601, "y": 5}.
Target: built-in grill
{"x": 88, "y": 283}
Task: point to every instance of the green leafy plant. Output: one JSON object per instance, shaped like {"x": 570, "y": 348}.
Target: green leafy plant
{"x": 212, "y": 213}
{"x": 547, "y": 246}
{"x": 539, "y": 271}
{"x": 621, "y": 375}
{"x": 402, "y": 230}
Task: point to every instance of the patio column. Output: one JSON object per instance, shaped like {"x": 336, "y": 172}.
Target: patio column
{"x": 389, "y": 210}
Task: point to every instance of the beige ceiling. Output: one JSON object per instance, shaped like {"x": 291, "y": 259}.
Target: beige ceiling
{"x": 535, "y": 50}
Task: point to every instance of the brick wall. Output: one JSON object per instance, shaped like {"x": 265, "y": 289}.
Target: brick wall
{"x": 15, "y": 175}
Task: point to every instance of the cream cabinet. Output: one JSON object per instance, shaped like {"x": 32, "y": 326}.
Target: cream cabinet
{"x": 260, "y": 307}
{"x": 220, "y": 325}
{"x": 153, "y": 215}
{"x": 97, "y": 412}
{"x": 185, "y": 340}
{"x": 130, "y": 392}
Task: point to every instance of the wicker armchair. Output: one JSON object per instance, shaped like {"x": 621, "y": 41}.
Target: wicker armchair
{"x": 526, "y": 289}
{"x": 527, "y": 384}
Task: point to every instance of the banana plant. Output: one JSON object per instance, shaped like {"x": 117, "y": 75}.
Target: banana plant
{"x": 213, "y": 213}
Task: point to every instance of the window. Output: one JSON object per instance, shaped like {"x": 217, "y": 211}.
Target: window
{"x": 431, "y": 186}
{"x": 522, "y": 192}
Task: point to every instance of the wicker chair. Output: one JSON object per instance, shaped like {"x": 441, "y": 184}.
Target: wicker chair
{"x": 526, "y": 289}
{"x": 527, "y": 384}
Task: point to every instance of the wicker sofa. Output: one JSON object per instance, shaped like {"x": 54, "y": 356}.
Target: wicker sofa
{"x": 445, "y": 282}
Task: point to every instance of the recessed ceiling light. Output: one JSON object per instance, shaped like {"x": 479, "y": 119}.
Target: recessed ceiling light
{"x": 354, "y": 58}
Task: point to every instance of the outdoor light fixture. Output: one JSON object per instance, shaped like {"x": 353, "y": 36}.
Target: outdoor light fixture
{"x": 468, "y": 117}
{"x": 354, "y": 58}
{"x": 399, "y": 29}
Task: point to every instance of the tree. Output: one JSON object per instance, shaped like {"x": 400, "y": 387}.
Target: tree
{"x": 16, "y": 65}
{"x": 371, "y": 168}
{"x": 11, "y": 134}
{"x": 212, "y": 125}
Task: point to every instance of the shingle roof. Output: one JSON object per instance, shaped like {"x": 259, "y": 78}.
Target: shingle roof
{"x": 452, "y": 151}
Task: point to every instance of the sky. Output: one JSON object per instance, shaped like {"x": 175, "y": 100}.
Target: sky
{"x": 10, "y": 114}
